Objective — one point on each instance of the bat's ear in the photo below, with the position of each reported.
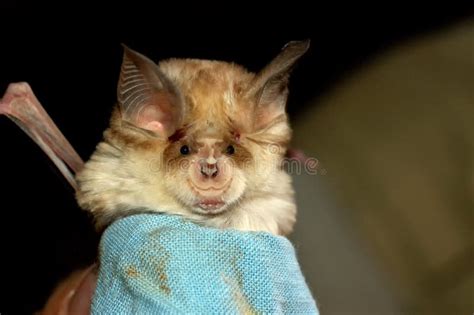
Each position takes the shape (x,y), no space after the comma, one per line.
(270,86)
(147,98)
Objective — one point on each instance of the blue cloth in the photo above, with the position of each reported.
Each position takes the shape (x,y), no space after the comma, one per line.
(153,264)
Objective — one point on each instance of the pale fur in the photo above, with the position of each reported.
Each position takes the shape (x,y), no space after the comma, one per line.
(124,176)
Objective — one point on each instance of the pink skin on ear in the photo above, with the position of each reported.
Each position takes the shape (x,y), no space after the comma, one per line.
(148,119)
(148,99)
(155,126)
(158,116)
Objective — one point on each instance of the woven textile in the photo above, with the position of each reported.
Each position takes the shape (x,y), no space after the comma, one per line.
(153,264)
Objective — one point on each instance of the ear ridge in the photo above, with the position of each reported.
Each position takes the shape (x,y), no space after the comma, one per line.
(147,98)
(134,90)
(282,64)
(269,88)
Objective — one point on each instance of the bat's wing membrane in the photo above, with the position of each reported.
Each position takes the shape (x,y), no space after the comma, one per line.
(21,106)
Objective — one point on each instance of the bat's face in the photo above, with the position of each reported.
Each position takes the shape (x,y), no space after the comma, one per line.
(207,169)
(215,157)
(203,139)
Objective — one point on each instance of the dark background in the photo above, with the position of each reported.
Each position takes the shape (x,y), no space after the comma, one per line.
(71,58)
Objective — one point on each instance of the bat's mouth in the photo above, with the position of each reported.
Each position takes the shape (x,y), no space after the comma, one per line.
(211,206)
(210,200)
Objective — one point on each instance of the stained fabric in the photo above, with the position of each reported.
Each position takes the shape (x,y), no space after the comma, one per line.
(164,264)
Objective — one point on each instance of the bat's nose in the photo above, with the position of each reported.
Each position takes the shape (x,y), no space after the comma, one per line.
(209,169)
(208,161)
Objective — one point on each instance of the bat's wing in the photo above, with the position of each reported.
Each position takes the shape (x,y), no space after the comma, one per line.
(20,105)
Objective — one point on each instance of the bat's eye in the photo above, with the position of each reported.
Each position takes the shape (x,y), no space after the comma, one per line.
(184,150)
(230,150)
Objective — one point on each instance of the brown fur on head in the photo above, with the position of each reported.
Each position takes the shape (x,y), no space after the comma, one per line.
(198,138)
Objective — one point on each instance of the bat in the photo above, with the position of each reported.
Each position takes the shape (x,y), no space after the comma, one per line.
(202,139)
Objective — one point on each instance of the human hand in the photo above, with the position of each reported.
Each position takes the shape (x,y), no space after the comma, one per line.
(73,295)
